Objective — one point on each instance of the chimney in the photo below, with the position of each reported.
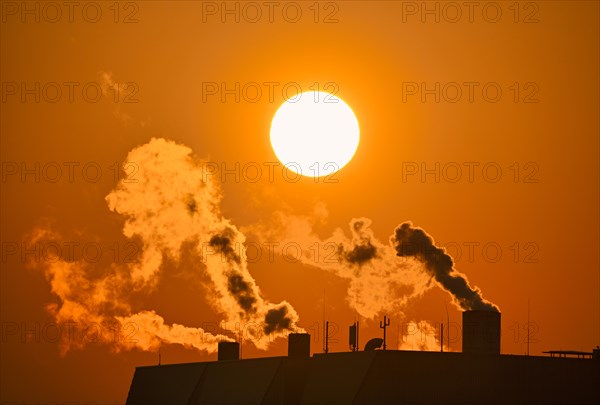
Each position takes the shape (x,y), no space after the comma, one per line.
(481,332)
(298,345)
(229,351)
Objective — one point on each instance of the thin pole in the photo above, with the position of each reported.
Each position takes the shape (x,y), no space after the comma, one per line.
(327,337)
(324,324)
(448,324)
(528,326)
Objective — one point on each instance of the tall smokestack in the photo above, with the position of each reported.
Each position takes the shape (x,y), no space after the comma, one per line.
(481,332)
(229,351)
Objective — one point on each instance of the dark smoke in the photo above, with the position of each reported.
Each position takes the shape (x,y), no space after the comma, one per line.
(363,250)
(191,205)
(222,243)
(276,320)
(415,242)
(360,253)
(242,292)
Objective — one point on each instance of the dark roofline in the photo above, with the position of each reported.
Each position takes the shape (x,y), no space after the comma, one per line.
(210,362)
(560,353)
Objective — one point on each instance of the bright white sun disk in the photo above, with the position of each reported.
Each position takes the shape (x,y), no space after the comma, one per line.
(314,134)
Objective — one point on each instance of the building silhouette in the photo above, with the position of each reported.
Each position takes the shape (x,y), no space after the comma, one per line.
(478,375)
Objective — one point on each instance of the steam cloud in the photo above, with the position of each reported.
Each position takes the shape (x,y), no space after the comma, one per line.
(418,336)
(168,206)
(377,279)
(382,277)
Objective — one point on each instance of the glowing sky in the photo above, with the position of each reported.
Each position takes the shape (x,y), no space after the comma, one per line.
(136,149)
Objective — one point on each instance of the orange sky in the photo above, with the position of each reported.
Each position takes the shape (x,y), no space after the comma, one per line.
(542,212)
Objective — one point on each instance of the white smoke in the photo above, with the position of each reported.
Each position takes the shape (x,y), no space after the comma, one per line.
(167,204)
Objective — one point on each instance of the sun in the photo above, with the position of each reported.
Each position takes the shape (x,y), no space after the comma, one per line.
(314,134)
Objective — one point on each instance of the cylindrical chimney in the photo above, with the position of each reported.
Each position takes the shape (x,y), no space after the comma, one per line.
(229,351)
(299,345)
(481,332)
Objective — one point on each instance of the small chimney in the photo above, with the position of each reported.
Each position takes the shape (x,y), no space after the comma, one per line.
(298,345)
(229,351)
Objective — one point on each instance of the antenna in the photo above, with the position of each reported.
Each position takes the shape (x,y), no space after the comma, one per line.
(325,326)
(384,325)
(528,326)
(241,337)
(442,337)
(326,337)
(159,346)
(448,324)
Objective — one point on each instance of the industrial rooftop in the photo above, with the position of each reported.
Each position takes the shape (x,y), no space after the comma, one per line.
(478,375)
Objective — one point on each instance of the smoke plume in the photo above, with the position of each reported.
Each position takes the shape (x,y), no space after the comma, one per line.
(381,277)
(167,205)
(171,207)
(377,279)
(415,242)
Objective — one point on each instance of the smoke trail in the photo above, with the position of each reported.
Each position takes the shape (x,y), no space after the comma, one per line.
(410,241)
(382,278)
(377,279)
(168,205)
(173,203)
(97,309)
(150,330)
(363,249)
